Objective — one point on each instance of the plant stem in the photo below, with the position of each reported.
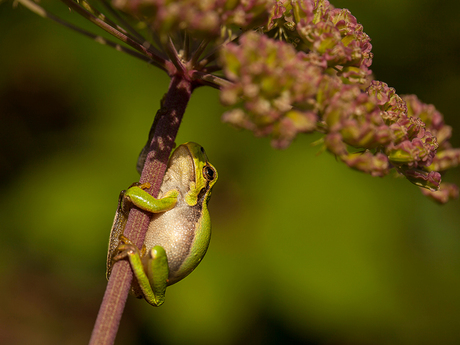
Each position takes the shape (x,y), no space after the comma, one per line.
(32,6)
(167,122)
(157,60)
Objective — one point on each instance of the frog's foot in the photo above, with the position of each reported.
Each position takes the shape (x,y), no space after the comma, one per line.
(125,249)
(152,277)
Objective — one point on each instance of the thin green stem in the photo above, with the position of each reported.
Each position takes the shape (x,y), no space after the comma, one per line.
(210,80)
(211,57)
(198,51)
(32,6)
(186,46)
(128,28)
(123,22)
(157,60)
(213,54)
(173,56)
(90,8)
(212,69)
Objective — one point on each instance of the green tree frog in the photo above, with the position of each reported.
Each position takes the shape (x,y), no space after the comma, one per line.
(180,228)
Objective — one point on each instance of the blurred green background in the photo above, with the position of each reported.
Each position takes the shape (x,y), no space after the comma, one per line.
(304,250)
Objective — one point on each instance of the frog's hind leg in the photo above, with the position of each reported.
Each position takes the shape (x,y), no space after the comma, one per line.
(150,269)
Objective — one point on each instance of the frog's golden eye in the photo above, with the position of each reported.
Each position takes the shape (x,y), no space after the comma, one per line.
(209,173)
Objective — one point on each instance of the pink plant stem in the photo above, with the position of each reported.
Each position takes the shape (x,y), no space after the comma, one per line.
(167,122)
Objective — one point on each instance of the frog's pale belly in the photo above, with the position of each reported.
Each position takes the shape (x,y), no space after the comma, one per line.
(175,231)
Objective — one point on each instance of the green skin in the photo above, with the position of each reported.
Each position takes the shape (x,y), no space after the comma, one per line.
(179,230)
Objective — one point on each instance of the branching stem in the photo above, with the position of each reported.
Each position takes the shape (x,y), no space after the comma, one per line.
(159,61)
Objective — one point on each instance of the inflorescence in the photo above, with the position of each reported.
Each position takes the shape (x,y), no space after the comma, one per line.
(288,67)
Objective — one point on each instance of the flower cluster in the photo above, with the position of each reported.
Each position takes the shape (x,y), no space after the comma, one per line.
(446,156)
(309,71)
(316,26)
(413,146)
(197,16)
(287,67)
(269,77)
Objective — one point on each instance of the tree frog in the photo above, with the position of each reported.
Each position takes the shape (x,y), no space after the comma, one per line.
(179,230)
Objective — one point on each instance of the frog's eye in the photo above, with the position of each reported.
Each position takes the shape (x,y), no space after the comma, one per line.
(209,173)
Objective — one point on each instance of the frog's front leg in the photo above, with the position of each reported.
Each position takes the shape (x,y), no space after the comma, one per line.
(150,269)
(139,197)
(135,195)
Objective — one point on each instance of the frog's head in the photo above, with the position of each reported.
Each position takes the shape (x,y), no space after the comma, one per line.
(190,172)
